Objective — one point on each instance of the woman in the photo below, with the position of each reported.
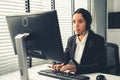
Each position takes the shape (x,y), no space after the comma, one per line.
(86,49)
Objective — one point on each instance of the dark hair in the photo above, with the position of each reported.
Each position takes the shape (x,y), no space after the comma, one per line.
(86,15)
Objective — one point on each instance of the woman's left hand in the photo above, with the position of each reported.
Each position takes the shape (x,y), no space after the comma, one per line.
(69,67)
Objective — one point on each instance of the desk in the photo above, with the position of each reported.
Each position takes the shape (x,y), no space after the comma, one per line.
(33,75)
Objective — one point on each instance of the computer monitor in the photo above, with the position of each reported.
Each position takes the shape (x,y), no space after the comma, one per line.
(44,40)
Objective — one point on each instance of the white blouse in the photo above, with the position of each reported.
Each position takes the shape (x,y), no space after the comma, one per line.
(79,48)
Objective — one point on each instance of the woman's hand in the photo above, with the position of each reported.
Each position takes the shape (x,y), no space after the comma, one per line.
(57,67)
(69,67)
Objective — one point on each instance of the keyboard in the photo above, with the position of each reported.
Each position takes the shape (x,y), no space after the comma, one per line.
(62,75)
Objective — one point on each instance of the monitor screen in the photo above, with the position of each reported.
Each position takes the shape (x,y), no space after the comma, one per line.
(44,40)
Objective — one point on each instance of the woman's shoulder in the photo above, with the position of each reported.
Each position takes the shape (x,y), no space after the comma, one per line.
(72,37)
(96,36)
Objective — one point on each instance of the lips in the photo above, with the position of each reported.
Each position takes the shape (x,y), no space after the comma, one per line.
(77,30)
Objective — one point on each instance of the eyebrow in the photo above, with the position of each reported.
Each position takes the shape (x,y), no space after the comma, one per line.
(79,19)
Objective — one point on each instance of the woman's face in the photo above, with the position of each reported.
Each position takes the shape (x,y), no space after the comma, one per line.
(79,23)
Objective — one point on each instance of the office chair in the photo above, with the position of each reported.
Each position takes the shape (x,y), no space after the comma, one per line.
(112,56)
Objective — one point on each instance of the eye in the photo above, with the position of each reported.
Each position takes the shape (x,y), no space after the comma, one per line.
(73,21)
(81,21)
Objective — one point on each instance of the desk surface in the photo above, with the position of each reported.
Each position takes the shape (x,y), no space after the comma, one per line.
(33,75)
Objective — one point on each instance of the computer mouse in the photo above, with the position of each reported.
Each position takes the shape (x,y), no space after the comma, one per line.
(100,77)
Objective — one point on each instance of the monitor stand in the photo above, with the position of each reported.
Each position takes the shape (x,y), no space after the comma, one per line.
(22,57)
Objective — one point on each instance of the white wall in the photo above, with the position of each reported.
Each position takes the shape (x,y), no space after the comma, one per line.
(116,5)
(98,11)
(113,34)
(110,5)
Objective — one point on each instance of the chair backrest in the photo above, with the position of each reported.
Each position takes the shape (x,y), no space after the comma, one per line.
(112,56)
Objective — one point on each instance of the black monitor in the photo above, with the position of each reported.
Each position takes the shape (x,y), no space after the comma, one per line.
(44,40)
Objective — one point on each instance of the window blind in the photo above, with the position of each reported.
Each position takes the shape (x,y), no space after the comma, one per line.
(81,4)
(40,5)
(63,8)
(8,59)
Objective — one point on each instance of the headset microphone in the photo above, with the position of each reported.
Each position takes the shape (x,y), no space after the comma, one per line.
(83,33)
(78,35)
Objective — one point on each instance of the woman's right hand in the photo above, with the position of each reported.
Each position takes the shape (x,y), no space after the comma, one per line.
(57,67)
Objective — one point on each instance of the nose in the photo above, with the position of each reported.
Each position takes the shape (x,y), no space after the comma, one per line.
(76,25)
